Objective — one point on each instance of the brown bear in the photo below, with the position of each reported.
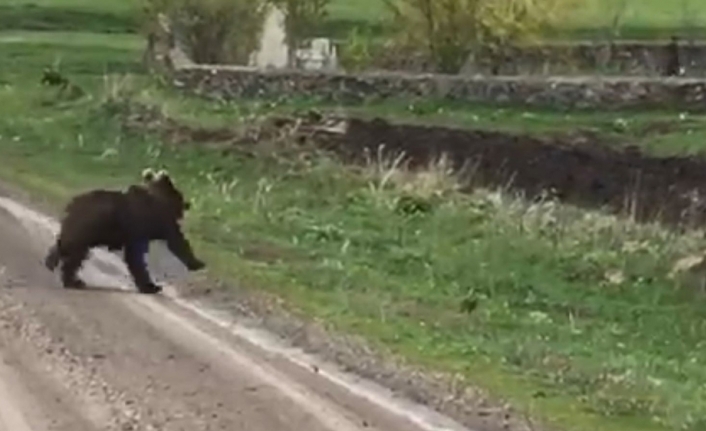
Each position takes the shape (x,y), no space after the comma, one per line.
(123,220)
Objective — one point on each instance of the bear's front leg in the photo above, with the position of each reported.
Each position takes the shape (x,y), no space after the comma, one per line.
(179,246)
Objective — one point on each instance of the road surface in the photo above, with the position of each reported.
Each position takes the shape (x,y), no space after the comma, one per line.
(111,359)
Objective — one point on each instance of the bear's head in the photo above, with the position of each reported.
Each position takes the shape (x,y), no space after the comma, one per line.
(161,186)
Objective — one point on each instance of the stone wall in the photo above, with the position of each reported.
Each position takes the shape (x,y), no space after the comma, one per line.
(556,92)
(607,93)
(634,58)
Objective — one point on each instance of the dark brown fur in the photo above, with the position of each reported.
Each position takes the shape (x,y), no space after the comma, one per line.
(118,220)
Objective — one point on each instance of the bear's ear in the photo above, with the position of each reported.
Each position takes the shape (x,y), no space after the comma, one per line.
(162,175)
(148,175)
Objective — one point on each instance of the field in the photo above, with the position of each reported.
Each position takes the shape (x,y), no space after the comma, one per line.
(591,19)
(569,314)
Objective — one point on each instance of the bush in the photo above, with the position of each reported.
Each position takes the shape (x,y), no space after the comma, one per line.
(212,31)
(451,30)
(357,51)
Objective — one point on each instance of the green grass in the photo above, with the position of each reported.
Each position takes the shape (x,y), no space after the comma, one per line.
(643,19)
(73,38)
(69,15)
(576,321)
(590,19)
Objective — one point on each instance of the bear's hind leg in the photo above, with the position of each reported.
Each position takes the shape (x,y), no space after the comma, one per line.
(71,264)
(135,260)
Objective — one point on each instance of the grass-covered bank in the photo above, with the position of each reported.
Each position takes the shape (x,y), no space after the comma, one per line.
(572,316)
(659,133)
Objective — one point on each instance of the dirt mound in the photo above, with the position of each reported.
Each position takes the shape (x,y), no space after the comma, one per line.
(583,171)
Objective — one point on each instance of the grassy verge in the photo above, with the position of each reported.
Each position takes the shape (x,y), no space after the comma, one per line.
(571,316)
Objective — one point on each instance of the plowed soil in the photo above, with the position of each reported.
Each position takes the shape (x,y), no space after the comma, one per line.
(588,174)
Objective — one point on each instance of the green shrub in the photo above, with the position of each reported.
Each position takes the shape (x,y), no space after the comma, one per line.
(451,30)
(357,51)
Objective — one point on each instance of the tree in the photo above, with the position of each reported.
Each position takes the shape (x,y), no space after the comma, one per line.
(214,31)
(450,30)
